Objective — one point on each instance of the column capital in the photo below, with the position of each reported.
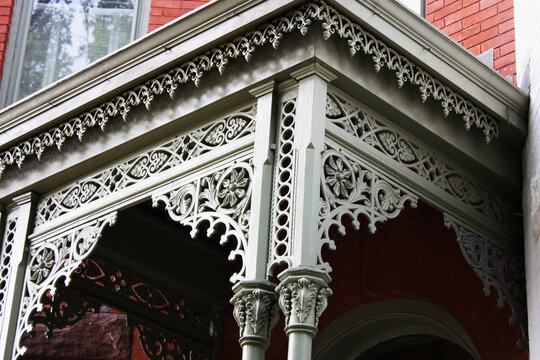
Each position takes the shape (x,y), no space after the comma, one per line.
(255,311)
(315,68)
(303,294)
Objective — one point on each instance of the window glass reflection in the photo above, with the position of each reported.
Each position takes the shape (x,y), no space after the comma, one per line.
(66,35)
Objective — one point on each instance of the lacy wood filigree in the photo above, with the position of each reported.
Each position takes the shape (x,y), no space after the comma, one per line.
(351,189)
(496,268)
(5,264)
(283,183)
(332,21)
(52,261)
(223,197)
(414,156)
(168,155)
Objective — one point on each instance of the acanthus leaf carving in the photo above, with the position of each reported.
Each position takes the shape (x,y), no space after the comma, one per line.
(352,189)
(255,311)
(52,261)
(303,297)
(223,197)
(498,269)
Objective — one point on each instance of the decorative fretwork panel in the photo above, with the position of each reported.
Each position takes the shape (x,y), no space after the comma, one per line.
(221,199)
(413,155)
(51,261)
(5,264)
(351,189)
(168,155)
(332,21)
(283,185)
(498,269)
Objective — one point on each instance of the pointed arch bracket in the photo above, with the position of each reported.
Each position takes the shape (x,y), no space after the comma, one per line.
(222,198)
(498,269)
(52,261)
(351,189)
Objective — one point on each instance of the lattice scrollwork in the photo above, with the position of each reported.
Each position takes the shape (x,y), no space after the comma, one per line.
(159,344)
(168,155)
(333,22)
(414,156)
(283,183)
(498,269)
(52,261)
(5,264)
(222,198)
(351,189)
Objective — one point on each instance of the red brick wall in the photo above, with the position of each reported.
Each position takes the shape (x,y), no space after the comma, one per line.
(6,11)
(163,11)
(413,256)
(479,25)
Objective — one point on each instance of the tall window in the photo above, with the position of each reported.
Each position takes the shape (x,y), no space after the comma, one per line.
(62,36)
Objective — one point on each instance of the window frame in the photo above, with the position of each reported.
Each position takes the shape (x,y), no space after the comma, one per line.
(18,35)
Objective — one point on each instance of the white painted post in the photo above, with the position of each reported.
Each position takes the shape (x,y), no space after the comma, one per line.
(255,300)
(303,289)
(23,211)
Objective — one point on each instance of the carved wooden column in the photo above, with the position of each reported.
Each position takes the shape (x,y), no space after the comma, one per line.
(18,224)
(303,288)
(255,300)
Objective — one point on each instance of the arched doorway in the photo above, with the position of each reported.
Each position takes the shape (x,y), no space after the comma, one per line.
(417,347)
(396,328)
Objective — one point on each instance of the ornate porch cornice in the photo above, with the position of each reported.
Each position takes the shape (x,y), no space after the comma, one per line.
(332,22)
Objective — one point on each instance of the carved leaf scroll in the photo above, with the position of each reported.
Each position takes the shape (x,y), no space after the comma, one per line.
(498,269)
(351,189)
(170,154)
(222,198)
(410,153)
(52,261)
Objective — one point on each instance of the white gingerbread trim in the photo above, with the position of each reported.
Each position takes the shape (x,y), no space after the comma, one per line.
(281,226)
(170,154)
(350,188)
(51,261)
(221,197)
(332,21)
(497,268)
(414,155)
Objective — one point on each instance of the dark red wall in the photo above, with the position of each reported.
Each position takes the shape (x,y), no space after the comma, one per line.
(415,257)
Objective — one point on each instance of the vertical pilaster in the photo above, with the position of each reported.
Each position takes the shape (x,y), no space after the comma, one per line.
(255,300)
(261,198)
(303,288)
(18,225)
(308,145)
